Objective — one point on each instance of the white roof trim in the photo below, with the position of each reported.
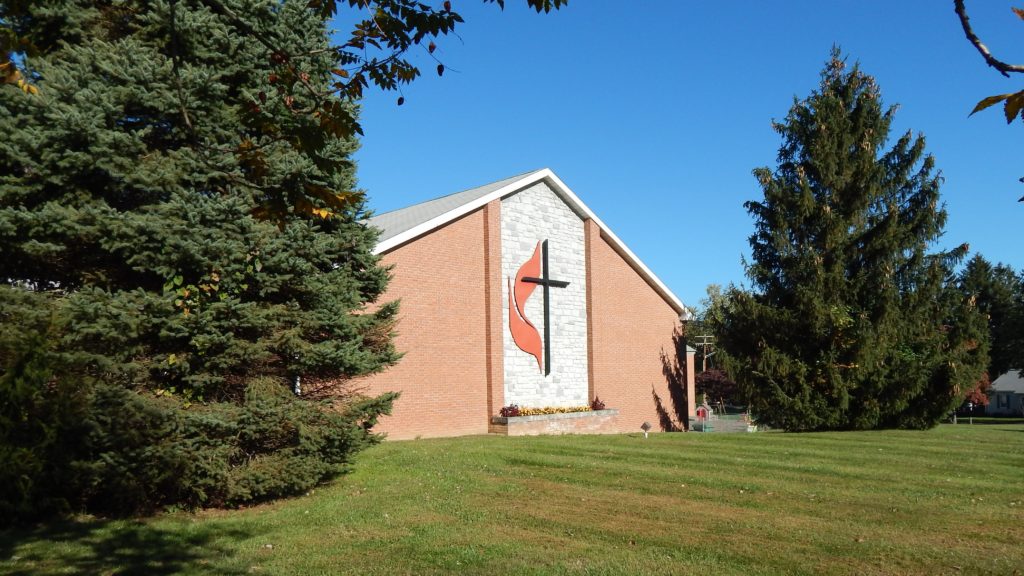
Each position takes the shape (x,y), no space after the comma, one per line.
(568,196)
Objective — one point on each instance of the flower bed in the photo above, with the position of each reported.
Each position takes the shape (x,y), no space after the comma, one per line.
(513,410)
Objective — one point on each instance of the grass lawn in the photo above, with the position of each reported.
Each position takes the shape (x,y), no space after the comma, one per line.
(946,501)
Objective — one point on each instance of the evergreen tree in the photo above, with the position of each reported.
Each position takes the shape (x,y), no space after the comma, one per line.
(134,190)
(852,323)
(374,51)
(998,293)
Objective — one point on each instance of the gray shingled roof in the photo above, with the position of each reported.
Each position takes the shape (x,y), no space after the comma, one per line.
(397,221)
(1009,382)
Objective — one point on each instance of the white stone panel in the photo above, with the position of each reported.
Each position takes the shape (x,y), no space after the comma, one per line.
(528,217)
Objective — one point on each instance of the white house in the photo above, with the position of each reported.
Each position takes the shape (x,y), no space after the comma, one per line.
(1007,395)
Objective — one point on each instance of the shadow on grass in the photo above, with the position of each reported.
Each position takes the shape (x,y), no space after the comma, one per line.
(119,547)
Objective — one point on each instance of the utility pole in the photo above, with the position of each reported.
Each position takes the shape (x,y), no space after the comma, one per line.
(705,341)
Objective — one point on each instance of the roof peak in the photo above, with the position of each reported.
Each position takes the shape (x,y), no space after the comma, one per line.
(406,224)
(448,196)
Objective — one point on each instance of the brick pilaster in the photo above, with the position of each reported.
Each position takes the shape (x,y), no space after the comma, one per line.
(691,394)
(589,230)
(492,304)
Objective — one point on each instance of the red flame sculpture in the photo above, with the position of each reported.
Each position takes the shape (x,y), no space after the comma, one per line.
(524,333)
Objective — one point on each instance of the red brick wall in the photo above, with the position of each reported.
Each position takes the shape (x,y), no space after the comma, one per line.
(447,282)
(630,329)
(495,325)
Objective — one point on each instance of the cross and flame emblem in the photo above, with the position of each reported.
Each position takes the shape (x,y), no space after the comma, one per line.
(533,273)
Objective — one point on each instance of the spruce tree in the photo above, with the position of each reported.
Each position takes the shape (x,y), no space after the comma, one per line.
(851,322)
(998,292)
(135,190)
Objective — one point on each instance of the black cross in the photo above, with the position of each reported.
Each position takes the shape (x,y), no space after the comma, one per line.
(546,283)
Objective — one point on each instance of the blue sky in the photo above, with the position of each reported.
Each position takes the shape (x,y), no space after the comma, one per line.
(655,113)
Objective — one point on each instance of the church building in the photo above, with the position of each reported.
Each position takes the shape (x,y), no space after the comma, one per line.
(517,293)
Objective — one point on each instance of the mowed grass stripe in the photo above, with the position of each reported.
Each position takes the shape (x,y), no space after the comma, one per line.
(945,501)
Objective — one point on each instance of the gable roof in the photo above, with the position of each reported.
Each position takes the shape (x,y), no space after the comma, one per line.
(400,226)
(396,222)
(1009,382)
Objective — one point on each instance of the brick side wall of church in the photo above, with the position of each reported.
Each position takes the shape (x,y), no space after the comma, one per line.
(443,330)
(631,329)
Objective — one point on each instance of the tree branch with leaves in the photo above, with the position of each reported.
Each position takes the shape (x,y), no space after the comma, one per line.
(1013,102)
(376,52)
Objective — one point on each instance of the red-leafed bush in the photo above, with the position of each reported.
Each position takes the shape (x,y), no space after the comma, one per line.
(979,394)
(716,386)
(509,411)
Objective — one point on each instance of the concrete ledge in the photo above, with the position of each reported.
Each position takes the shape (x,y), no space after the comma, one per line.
(591,422)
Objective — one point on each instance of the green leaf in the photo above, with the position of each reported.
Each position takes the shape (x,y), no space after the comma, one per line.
(178,280)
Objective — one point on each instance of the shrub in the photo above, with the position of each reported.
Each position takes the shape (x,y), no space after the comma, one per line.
(109,450)
(41,427)
(285,446)
(596,403)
